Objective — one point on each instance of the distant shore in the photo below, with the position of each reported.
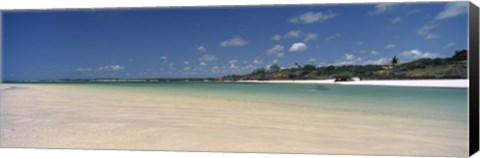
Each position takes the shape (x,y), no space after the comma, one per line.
(441,83)
(445,83)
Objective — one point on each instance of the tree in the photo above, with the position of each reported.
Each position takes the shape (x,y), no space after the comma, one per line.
(259,71)
(297,65)
(460,55)
(309,68)
(330,69)
(274,68)
(394,60)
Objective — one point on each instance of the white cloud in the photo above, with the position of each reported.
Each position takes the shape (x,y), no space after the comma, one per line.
(202,63)
(351,59)
(312,17)
(248,67)
(268,66)
(275,61)
(186,62)
(451,44)
(431,36)
(417,54)
(379,61)
(276,37)
(390,46)
(359,43)
(413,11)
(310,37)
(208,58)
(233,61)
(381,8)
(84,69)
(374,52)
(332,37)
(280,54)
(201,49)
(395,20)
(312,60)
(233,66)
(292,34)
(187,68)
(111,68)
(452,9)
(297,47)
(348,59)
(275,50)
(234,42)
(164,59)
(257,61)
(349,56)
(425,31)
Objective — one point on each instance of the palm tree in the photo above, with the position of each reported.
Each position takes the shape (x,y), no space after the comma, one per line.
(297,65)
(394,60)
(274,68)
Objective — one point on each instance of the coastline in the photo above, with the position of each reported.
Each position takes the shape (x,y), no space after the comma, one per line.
(329,81)
(435,83)
(439,83)
(58,115)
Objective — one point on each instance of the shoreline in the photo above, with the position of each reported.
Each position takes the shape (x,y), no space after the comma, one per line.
(435,83)
(154,119)
(439,83)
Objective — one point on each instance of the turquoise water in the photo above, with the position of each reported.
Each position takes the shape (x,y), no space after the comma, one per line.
(431,103)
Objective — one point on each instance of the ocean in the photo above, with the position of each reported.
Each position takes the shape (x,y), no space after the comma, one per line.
(433,103)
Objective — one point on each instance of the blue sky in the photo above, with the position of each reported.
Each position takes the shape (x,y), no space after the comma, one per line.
(212,42)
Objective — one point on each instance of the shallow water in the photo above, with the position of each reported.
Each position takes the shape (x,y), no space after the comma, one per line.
(245,117)
(434,103)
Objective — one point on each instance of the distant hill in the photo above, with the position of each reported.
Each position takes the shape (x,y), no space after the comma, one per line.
(454,67)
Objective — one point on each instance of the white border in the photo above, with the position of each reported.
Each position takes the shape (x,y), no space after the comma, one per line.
(73,153)
(8,5)
(56,4)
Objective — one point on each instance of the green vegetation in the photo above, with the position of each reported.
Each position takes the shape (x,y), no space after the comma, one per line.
(425,68)
(394,61)
(454,67)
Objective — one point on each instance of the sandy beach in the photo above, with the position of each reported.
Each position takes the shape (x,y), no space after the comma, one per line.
(447,83)
(331,81)
(65,116)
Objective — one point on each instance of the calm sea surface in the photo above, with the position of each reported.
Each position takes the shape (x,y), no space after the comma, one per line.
(431,103)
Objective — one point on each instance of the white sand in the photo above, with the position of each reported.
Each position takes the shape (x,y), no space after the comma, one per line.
(458,83)
(290,81)
(66,116)
(447,83)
